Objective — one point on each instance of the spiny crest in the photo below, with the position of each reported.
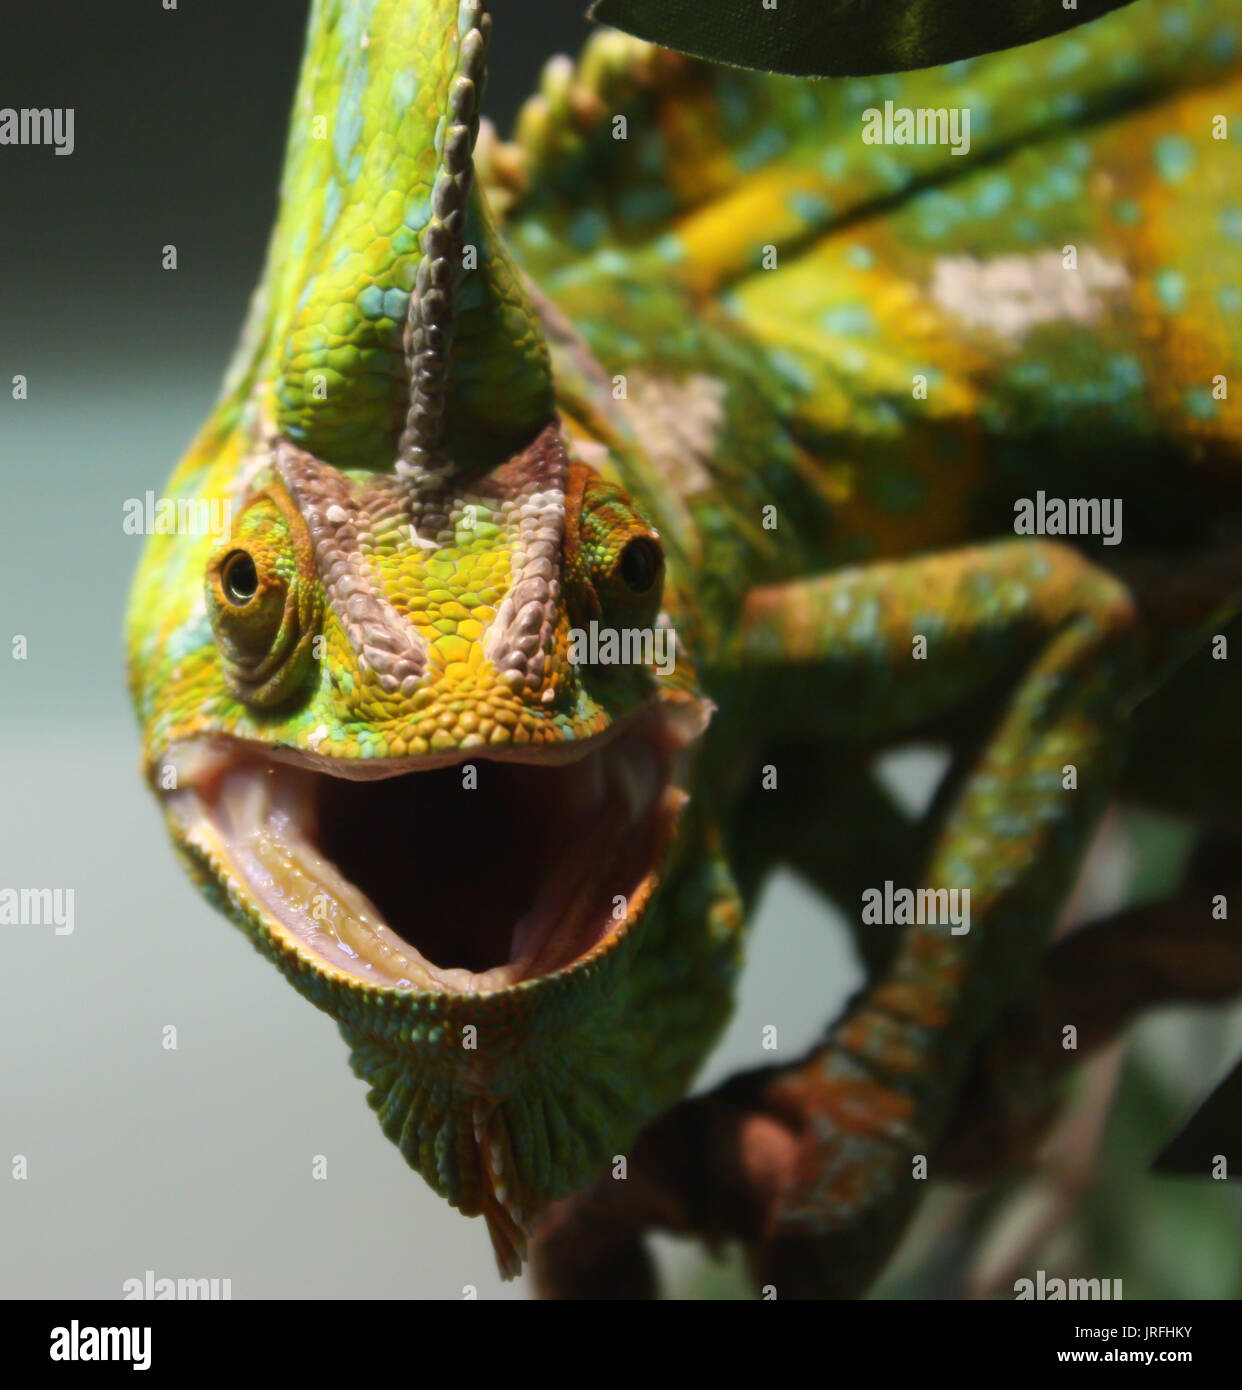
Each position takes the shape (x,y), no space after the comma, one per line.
(400,327)
(429,320)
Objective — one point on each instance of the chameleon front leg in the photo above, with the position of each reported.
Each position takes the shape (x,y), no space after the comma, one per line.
(880,651)
(877,652)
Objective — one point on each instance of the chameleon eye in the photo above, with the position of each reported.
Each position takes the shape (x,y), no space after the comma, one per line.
(264,602)
(614,562)
(640,565)
(238,578)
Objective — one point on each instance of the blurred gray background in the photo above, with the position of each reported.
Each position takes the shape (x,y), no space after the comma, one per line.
(198,1162)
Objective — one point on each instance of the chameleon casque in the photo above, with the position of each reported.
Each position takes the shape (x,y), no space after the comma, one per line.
(656,363)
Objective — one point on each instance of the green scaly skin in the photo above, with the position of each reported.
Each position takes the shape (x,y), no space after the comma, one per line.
(702,339)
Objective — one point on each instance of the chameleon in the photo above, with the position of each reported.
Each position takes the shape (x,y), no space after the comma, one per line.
(688,361)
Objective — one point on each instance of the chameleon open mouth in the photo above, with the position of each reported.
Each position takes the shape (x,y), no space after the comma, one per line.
(467,877)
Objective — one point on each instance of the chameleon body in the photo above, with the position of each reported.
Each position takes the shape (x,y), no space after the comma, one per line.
(690,354)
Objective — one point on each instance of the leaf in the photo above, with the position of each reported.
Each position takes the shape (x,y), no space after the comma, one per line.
(1215,1128)
(839,38)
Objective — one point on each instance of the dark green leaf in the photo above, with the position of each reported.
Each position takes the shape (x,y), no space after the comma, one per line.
(837,38)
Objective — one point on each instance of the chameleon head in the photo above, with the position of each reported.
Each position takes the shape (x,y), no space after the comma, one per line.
(385,735)
(416,720)
(393,750)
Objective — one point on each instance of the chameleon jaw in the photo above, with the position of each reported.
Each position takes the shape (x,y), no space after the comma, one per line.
(417,881)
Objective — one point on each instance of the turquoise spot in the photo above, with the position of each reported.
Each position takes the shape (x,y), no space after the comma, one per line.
(1231,222)
(535,234)
(1170,288)
(1200,405)
(1229,297)
(1068,58)
(853,360)
(418,214)
(612,262)
(805,107)
(847,320)
(938,212)
(347,135)
(587,229)
(1127,212)
(1078,154)
(396,302)
(833,162)
(860,257)
(791,370)
(1126,372)
(769,144)
(669,248)
(1127,67)
(1174,157)
(1030,373)
(892,172)
(331,206)
(980,111)
(859,92)
(371,302)
(1068,105)
(194,634)
(733,103)
(810,208)
(993,195)
(1063,182)
(402,91)
(1223,45)
(1175,24)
